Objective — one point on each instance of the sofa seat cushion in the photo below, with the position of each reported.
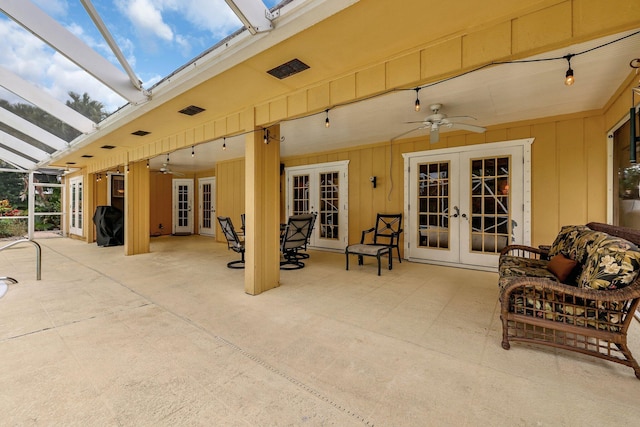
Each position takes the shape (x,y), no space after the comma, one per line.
(511,265)
(614,263)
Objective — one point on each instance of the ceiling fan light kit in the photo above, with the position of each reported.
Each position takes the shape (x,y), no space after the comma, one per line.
(436,120)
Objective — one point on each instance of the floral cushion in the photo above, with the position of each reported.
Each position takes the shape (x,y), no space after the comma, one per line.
(511,265)
(613,264)
(565,240)
(567,309)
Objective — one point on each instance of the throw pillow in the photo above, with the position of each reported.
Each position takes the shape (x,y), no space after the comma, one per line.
(561,267)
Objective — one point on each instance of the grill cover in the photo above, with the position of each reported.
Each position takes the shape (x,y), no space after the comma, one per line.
(109,223)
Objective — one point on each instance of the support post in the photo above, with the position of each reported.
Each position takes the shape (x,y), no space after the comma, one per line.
(136,209)
(262,205)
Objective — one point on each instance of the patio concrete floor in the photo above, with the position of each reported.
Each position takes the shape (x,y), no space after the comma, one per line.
(170,338)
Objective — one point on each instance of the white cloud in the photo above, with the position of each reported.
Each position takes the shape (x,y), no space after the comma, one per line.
(214,16)
(32,60)
(146,17)
(22,53)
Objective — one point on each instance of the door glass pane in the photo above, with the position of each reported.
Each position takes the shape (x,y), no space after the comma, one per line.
(183,206)
(79,205)
(491,225)
(73,204)
(300,194)
(329,203)
(206,205)
(433,205)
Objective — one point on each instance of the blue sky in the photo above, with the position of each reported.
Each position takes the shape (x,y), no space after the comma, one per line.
(156,37)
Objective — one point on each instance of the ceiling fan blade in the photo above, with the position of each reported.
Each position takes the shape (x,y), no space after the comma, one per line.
(464,126)
(434,136)
(407,132)
(461,118)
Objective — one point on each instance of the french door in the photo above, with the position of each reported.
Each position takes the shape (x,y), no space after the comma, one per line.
(207,206)
(76,217)
(182,206)
(322,189)
(465,206)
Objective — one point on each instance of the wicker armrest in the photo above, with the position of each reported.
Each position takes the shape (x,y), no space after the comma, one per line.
(524,251)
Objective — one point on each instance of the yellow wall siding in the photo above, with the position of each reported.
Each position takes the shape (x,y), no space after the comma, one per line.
(486,45)
(545,202)
(542,28)
(596,16)
(596,183)
(568,173)
(160,193)
(572,174)
(230,183)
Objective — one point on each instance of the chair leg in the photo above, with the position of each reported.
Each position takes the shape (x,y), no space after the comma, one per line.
(378,257)
(390,259)
(399,259)
(347,256)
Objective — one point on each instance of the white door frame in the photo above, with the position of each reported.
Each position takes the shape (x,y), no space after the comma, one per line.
(187,225)
(314,171)
(202,229)
(76,196)
(472,150)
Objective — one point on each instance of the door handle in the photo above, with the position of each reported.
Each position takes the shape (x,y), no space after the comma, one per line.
(455,215)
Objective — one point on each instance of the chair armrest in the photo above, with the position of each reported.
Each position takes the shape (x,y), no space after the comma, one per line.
(524,252)
(364,234)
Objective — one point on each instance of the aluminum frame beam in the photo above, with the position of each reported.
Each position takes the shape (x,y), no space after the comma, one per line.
(23,147)
(16,160)
(99,23)
(43,100)
(28,128)
(32,18)
(253,13)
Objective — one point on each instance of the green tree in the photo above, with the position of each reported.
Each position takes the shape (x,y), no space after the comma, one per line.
(90,108)
(12,187)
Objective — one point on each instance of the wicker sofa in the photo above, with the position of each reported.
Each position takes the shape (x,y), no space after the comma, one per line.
(580,293)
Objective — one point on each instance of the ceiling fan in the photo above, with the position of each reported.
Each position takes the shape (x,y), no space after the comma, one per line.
(437,120)
(165,170)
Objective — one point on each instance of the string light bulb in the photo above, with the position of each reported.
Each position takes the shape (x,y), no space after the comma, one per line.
(326,121)
(266,136)
(417,104)
(224,144)
(193,151)
(569,79)
(147,163)
(127,168)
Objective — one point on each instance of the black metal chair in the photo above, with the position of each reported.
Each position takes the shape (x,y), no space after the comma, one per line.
(385,236)
(294,238)
(233,241)
(314,216)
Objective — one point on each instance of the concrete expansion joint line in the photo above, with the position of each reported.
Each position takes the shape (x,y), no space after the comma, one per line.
(294,381)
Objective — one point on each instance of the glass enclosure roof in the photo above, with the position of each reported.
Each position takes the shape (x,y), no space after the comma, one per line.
(154,39)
